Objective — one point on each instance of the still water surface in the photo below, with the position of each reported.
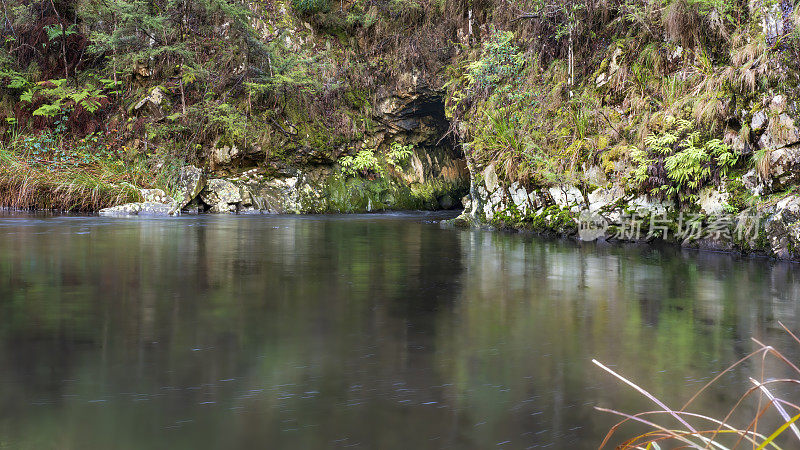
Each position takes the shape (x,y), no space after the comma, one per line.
(373,331)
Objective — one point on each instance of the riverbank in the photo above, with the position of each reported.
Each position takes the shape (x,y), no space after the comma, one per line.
(613,121)
(763,225)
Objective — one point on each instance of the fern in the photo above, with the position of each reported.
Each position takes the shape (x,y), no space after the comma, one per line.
(398,154)
(364,163)
(689,165)
(48,109)
(688,168)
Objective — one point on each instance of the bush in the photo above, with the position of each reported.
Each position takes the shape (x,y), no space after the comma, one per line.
(311,6)
(500,60)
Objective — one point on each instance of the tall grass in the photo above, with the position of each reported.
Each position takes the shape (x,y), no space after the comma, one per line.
(681,428)
(35,176)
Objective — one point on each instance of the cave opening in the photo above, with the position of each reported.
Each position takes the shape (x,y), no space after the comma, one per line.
(422,121)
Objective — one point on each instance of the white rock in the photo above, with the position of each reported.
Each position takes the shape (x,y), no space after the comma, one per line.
(490,178)
(600,198)
(713,201)
(566,196)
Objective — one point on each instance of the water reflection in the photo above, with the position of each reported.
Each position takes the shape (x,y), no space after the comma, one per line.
(380,331)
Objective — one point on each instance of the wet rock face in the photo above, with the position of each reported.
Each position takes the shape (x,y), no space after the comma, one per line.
(782,228)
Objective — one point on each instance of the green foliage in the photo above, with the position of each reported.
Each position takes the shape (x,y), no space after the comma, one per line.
(690,160)
(399,154)
(688,168)
(231,123)
(291,73)
(500,59)
(311,6)
(60,97)
(59,32)
(365,163)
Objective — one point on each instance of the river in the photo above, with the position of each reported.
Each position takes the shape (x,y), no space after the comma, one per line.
(370,331)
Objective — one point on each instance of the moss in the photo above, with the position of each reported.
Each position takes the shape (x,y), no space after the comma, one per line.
(740,197)
(355,194)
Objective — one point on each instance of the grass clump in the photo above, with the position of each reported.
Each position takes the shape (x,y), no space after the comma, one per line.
(42,172)
(681,428)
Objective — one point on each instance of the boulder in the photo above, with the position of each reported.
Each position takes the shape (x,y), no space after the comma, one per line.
(759,121)
(567,197)
(781,132)
(446,202)
(466,202)
(752,182)
(138,209)
(647,206)
(152,103)
(191,181)
(493,204)
(784,168)
(222,196)
(224,154)
(519,195)
(156,196)
(490,178)
(303,193)
(603,197)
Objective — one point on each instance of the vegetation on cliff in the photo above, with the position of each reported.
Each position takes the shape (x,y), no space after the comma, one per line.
(659,94)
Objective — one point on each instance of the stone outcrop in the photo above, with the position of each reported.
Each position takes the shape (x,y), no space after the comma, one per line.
(221,196)
(777,134)
(431,178)
(191,182)
(782,228)
(781,171)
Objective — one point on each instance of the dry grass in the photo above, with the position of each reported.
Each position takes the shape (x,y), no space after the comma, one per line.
(682,23)
(28,184)
(681,428)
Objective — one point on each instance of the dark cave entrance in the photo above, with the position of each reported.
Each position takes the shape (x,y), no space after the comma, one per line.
(420,120)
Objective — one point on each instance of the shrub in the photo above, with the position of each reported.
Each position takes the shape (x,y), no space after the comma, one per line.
(500,60)
(311,6)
